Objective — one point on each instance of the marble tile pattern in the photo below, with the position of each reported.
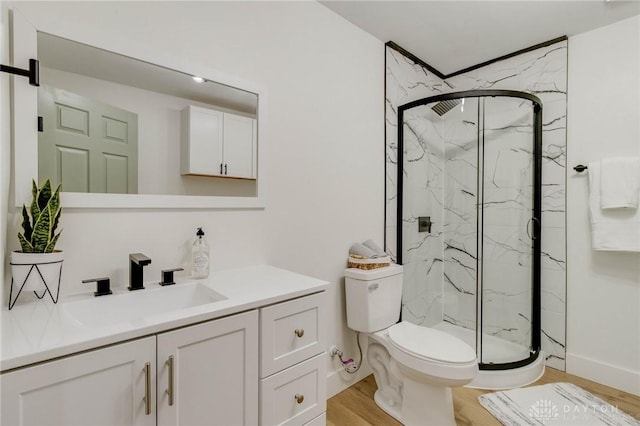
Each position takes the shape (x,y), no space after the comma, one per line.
(422,294)
(423,189)
(440,268)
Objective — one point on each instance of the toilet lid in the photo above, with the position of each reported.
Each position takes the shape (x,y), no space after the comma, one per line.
(429,343)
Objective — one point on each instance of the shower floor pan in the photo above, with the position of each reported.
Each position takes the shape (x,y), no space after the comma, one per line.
(498,351)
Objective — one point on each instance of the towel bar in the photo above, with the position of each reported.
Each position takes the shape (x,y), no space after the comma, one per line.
(580,168)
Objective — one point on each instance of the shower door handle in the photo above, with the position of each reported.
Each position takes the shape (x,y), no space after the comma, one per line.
(531,220)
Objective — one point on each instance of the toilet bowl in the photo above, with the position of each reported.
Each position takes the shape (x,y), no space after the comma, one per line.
(414,366)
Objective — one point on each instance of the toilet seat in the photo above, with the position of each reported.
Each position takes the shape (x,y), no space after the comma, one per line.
(455,368)
(430,344)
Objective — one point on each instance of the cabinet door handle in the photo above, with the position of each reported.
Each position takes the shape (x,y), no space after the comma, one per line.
(220,168)
(170,388)
(147,388)
(225,169)
(299,398)
(299,332)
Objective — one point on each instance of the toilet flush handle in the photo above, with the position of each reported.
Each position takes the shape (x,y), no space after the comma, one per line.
(373,286)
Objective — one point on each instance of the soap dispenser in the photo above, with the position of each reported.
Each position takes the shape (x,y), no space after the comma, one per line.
(200,256)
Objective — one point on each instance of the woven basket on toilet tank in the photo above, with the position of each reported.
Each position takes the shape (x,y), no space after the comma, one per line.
(360,262)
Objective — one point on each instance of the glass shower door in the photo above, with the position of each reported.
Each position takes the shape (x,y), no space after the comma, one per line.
(506,226)
(470,168)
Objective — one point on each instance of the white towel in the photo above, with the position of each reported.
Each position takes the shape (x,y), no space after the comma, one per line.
(360,250)
(611,229)
(370,244)
(619,182)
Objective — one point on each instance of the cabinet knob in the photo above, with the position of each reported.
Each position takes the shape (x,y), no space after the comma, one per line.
(299,398)
(299,332)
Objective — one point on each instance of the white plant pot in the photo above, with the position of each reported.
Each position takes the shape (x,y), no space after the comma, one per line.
(32,268)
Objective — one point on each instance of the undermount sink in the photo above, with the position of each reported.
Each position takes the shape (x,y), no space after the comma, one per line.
(138,305)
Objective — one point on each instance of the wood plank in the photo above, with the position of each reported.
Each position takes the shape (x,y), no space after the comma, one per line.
(355,406)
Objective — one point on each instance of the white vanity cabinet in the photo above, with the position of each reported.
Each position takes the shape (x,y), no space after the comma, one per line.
(212,381)
(108,386)
(293,362)
(254,357)
(207,373)
(216,143)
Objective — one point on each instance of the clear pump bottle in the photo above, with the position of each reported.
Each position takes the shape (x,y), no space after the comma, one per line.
(200,256)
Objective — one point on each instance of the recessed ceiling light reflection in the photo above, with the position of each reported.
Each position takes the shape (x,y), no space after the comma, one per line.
(198,79)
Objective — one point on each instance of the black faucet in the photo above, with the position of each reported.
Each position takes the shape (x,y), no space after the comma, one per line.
(136,262)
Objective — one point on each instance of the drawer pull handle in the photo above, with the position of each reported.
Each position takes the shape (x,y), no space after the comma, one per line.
(147,388)
(299,332)
(299,398)
(170,390)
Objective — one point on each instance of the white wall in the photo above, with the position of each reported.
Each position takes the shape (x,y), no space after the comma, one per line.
(603,324)
(5,135)
(325,155)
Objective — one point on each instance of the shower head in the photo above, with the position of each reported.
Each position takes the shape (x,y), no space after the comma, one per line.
(443,107)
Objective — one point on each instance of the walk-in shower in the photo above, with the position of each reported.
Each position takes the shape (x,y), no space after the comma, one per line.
(469,202)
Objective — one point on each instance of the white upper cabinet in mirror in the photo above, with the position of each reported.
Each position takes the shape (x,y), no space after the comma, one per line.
(119,127)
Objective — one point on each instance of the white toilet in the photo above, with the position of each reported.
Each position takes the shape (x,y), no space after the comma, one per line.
(414,366)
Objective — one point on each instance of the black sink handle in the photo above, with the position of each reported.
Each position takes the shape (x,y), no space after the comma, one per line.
(103,286)
(166,276)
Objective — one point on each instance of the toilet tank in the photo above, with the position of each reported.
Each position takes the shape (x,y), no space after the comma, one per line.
(374,297)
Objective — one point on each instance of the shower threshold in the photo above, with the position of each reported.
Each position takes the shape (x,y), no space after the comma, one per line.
(499,351)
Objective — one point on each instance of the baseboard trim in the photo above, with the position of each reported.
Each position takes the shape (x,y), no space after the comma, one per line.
(606,374)
(339,380)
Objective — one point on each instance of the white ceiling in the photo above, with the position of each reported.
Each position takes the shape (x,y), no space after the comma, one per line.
(453,35)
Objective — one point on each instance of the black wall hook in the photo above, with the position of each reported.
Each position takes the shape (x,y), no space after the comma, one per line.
(33,72)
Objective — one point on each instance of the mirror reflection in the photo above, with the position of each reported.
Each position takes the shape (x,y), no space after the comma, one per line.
(114,124)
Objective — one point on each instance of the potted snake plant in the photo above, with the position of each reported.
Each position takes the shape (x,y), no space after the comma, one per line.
(38,266)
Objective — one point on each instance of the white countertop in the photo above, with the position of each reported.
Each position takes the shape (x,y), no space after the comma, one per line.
(38,331)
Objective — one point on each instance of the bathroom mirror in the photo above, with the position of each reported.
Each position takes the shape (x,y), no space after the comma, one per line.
(138,98)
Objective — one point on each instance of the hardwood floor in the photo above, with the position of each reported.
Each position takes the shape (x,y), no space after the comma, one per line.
(355,405)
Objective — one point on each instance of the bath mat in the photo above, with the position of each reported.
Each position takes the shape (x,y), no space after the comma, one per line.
(554,404)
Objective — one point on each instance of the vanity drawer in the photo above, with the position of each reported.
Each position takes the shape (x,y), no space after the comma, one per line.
(296,395)
(321,420)
(291,332)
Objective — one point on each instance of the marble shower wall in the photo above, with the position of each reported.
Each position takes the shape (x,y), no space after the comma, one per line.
(542,72)
(430,293)
(422,293)
(423,189)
